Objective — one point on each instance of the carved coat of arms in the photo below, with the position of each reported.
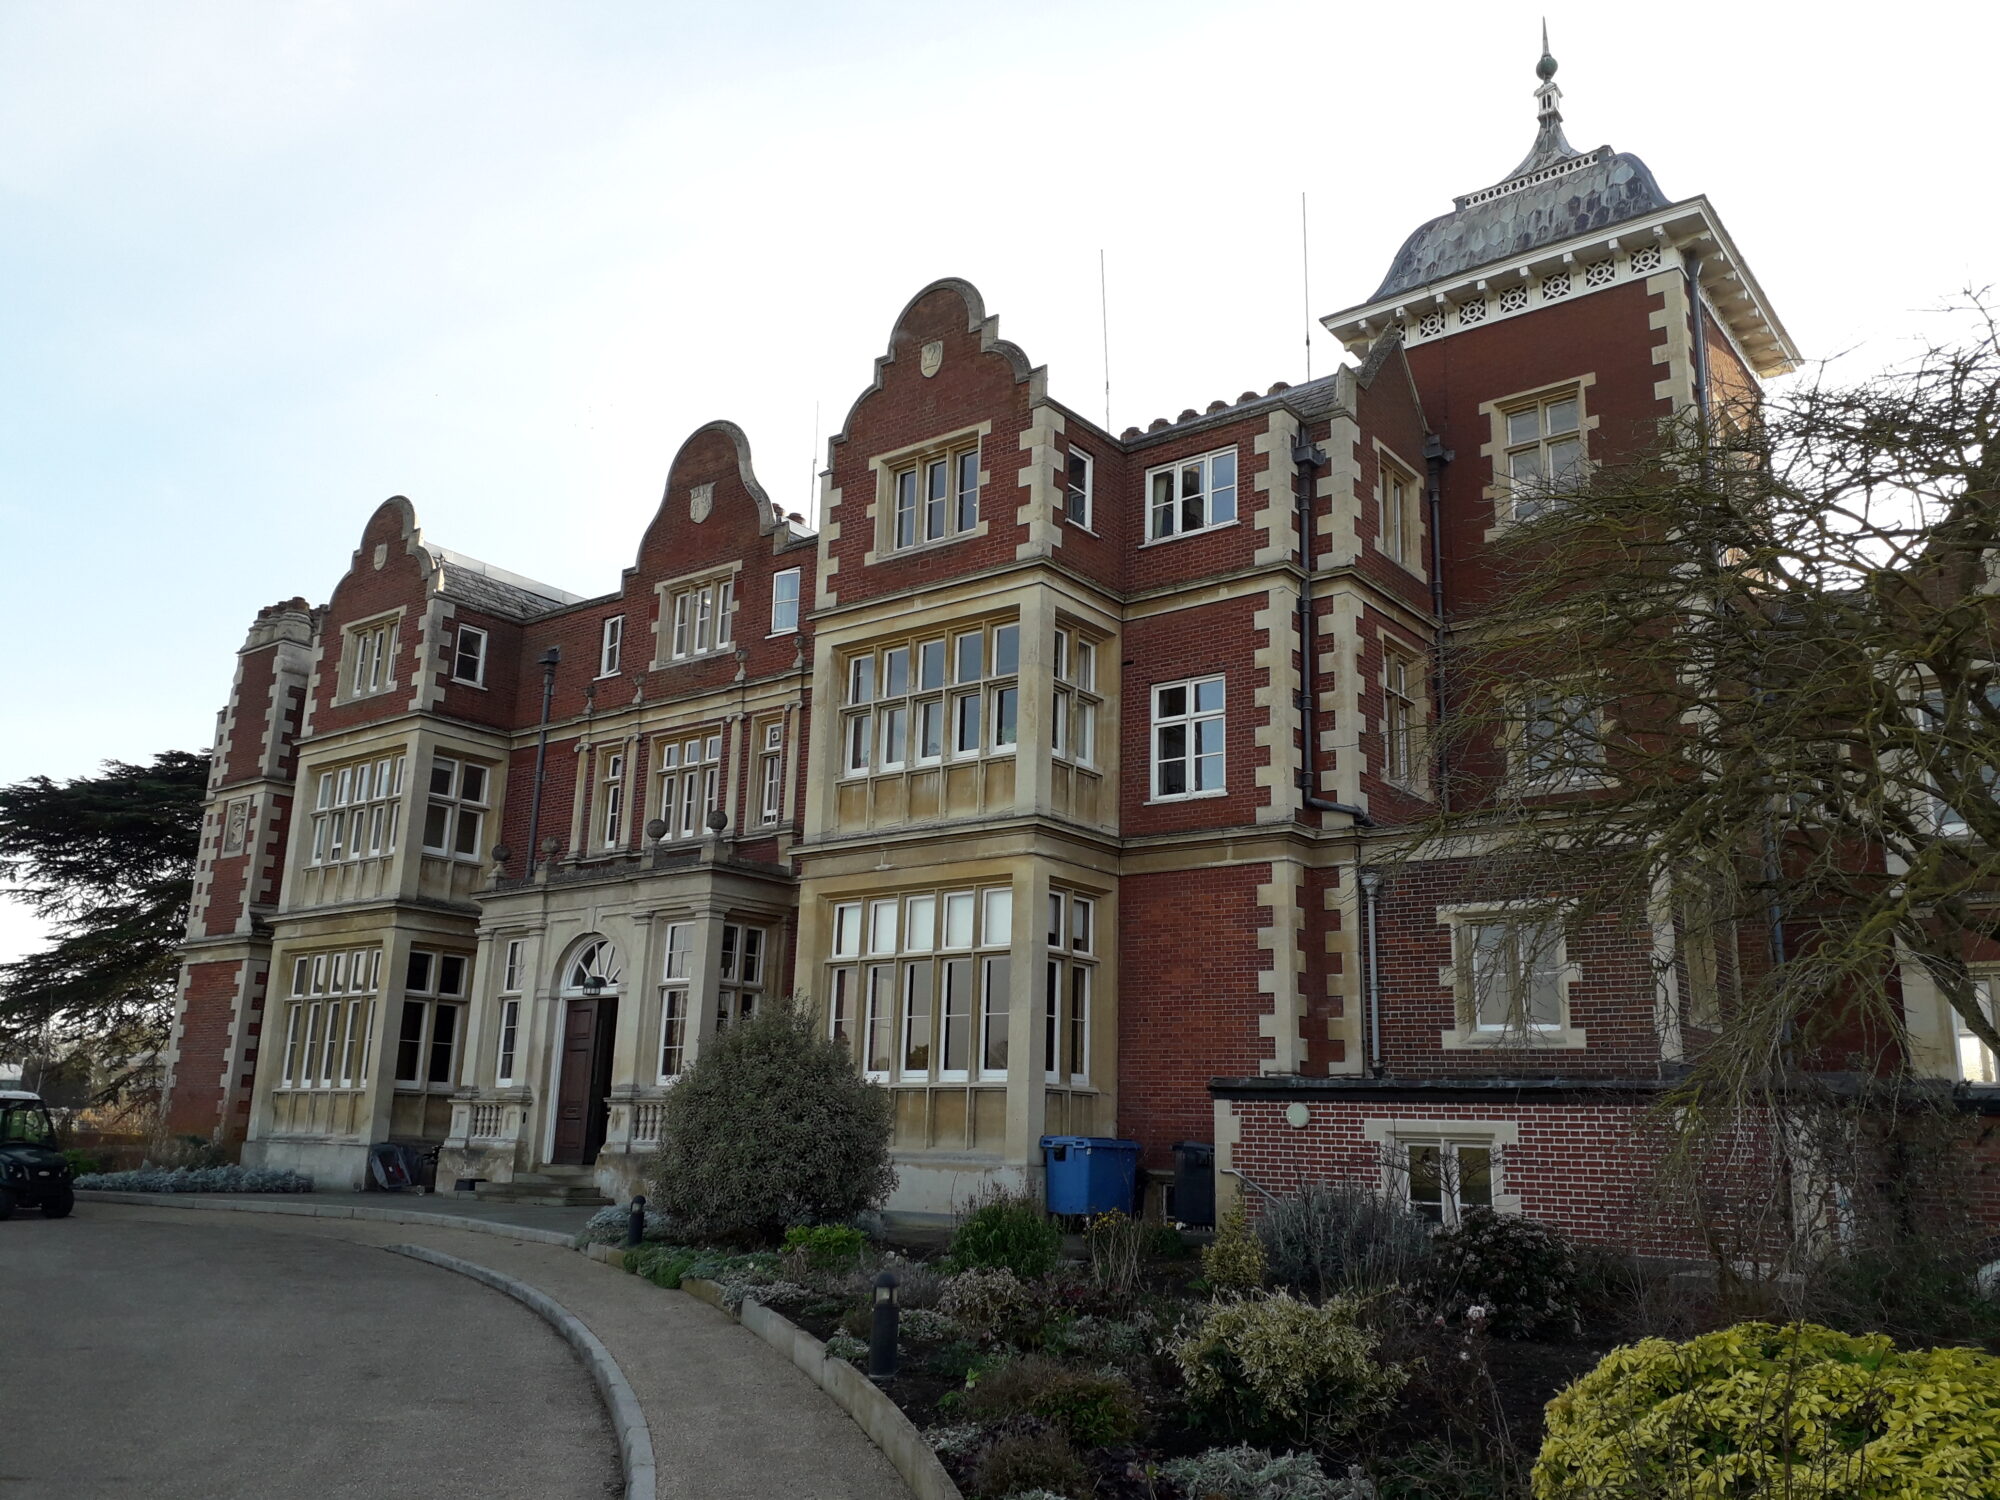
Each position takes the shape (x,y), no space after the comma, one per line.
(701,500)
(932,358)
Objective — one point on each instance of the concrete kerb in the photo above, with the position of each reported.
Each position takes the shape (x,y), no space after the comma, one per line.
(635,1438)
(887,1426)
(329,1211)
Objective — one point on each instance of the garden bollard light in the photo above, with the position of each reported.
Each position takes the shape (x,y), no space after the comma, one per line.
(635,1229)
(882,1342)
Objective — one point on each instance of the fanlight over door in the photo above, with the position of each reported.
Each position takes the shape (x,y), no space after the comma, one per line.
(596,960)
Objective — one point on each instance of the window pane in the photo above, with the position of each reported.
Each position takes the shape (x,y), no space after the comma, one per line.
(917,1018)
(1523,426)
(957,1019)
(1222,489)
(1052,999)
(409,1041)
(442,771)
(1565,461)
(1079,1022)
(958,920)
(1163,503)
(895,735)
(882,927)
(1208,696)
(896,672)
(881,1018)
(930,729)
(467,841)
(419,974)
(1427,1182)
(1055,933)
(1475,1177)
(1170,703)
(998,983)
(1082,913)
(920,924)
(1006,716)
(930,664)
(437,825)
(1006,650)
(847,930)
(861,680)
(1193,512)
(971,652)
(966,736)
(906,507)
(451,974)
(968,491)
(1562,416)
(996,924)
(444,1037)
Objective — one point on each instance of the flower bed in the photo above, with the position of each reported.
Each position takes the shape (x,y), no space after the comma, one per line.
(225,1179)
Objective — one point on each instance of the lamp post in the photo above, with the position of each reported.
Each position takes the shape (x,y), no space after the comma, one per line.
(635,1228)
(882,1336)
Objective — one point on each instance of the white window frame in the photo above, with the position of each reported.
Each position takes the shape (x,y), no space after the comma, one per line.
(357,809)
(916,517)
(784,606)
(1079,478)
(1395,505)
(1575,726)
(950,690)
(676,1002)
(1190,721)
(1529,465)
(611,801)
(435,992)
(703,619)
(461,809)
(1175,506)
(1399,719)
(506,1057)
(365,666)
(611,646)
(771,776)
(1470,1029)
(460,651)
(686,782)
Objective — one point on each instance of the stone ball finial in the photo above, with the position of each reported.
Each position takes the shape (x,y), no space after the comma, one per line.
(1546,68)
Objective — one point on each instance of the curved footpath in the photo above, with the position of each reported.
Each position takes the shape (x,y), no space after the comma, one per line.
(728,1416)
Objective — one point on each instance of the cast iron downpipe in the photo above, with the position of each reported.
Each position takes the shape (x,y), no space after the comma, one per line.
(1307,457)
(1371,883)
(1436,456)
(549,659)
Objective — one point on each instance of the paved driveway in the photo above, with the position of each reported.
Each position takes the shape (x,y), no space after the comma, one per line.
(190,1355)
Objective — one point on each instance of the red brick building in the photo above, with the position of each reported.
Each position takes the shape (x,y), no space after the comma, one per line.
(1056,767)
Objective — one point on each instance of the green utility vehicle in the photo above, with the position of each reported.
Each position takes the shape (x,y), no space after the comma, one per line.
(33,1173)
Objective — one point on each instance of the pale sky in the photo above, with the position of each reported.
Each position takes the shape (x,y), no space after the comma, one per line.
(265,264)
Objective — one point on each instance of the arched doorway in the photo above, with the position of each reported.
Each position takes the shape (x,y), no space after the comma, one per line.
(590,979)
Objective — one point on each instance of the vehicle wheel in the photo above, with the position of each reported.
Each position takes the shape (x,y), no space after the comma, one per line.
(59,1202)
(6,1203)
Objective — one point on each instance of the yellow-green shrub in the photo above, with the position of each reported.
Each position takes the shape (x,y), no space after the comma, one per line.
(1235,1261)
(1281,1368)
(1801,1411)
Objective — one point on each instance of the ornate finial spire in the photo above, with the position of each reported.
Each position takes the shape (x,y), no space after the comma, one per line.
(1549,95)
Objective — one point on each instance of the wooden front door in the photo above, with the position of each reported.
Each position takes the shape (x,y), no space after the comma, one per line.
(582,1107)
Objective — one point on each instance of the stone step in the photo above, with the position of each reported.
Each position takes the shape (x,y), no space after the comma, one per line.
(569,1191)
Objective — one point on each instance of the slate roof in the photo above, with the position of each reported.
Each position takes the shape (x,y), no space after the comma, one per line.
(505,594)
(1555,194)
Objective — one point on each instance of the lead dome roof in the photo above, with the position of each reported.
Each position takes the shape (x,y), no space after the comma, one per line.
(1555,194)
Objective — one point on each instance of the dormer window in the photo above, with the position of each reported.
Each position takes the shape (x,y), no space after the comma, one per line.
(368,651)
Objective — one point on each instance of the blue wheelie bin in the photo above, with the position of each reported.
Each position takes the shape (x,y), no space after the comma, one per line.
(1090,1174)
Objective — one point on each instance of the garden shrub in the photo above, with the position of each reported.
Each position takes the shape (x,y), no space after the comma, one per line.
(1092,1409)
(1235,1262)
(1521,1272)
(1116,1242)
(1101,1340)
(928,1324)
(1246,1473)
(987,1304)
(1030,1461)
(225,1179)
(846,1346)
(771,1126)
(1335,1237)
(1284,1369)
(826,1247)
(609,1226)
(1010,1230)
(1165,1242)
(82,1163)
(918,1283)
(1799,1411)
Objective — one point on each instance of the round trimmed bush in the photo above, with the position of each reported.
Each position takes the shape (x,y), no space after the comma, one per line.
(1523,1274)
(1007,1230)
(1284,1369)
(1799,1411)
(771,1127)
